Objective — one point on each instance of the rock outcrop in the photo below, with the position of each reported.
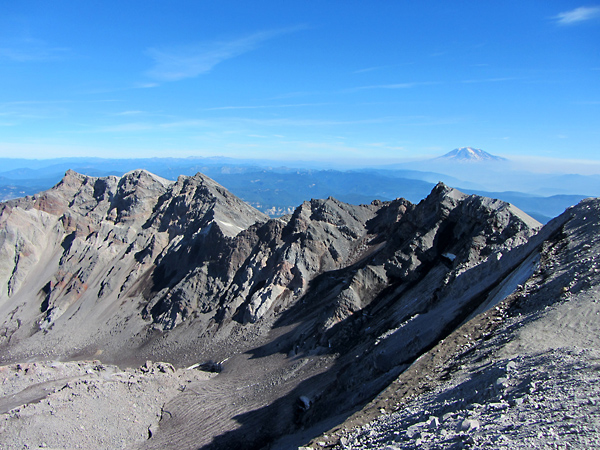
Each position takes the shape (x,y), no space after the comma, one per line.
(307,316)
(91,247)
(521,374)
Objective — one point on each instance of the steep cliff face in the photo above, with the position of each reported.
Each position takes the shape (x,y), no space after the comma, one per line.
(87,247)
(136,268)
(522,372)
(269,266)
(145,254)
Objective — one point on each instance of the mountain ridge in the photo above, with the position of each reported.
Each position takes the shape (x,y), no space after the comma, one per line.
(132,268)
(277,190)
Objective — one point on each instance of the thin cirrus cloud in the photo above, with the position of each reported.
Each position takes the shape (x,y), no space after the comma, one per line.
(130,113)
(290,105)
(34,109)
(149,126)
(177,63)
(578,15)
(31,50)
(491,80)
(240,123)
(392,86)
(376,68)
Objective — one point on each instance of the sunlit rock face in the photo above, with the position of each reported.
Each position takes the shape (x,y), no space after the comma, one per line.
(85,250)
(311,305)
(138,254)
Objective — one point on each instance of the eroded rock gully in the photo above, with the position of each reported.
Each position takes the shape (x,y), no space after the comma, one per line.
(307,317)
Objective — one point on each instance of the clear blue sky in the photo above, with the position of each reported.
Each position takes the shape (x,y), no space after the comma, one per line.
(380,80)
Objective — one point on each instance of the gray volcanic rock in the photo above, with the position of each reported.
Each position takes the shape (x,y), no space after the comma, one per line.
(85,247)
(307,317)
(399,279)
(521,374)
(262,268)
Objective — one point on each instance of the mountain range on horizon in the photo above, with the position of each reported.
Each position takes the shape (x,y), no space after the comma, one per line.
(276,189)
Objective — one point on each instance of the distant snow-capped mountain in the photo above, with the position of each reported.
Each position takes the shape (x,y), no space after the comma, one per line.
(469,154)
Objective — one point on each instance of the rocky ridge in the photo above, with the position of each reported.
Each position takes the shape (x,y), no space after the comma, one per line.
(523,374)
(308,316)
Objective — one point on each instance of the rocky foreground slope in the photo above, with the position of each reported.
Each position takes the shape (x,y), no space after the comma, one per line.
(523,374)
(305,318)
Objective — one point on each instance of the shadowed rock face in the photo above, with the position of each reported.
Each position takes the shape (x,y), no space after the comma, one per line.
(138,267)
(520,372)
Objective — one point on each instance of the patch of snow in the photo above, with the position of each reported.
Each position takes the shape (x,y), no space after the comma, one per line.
(230,227)
(450,256)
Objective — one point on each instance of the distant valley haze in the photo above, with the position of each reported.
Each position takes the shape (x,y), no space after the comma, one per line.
(276,188)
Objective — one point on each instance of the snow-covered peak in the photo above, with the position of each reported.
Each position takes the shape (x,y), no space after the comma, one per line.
(464,154)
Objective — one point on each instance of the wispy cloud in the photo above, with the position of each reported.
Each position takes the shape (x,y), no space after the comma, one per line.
(370,69)
(577,15)
(392,86)
(150,126)
(187,123)
(237,122)
(145,85)
(34,109)
(260,126)
(119,88)
(177,63)
(384,146)
(129,113)
(492,80)
(376,68)
(299,122)
(297,94)
(289,105)
(31,50)
(127,127)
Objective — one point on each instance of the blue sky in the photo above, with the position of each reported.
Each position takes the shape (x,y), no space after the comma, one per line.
(315,80)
